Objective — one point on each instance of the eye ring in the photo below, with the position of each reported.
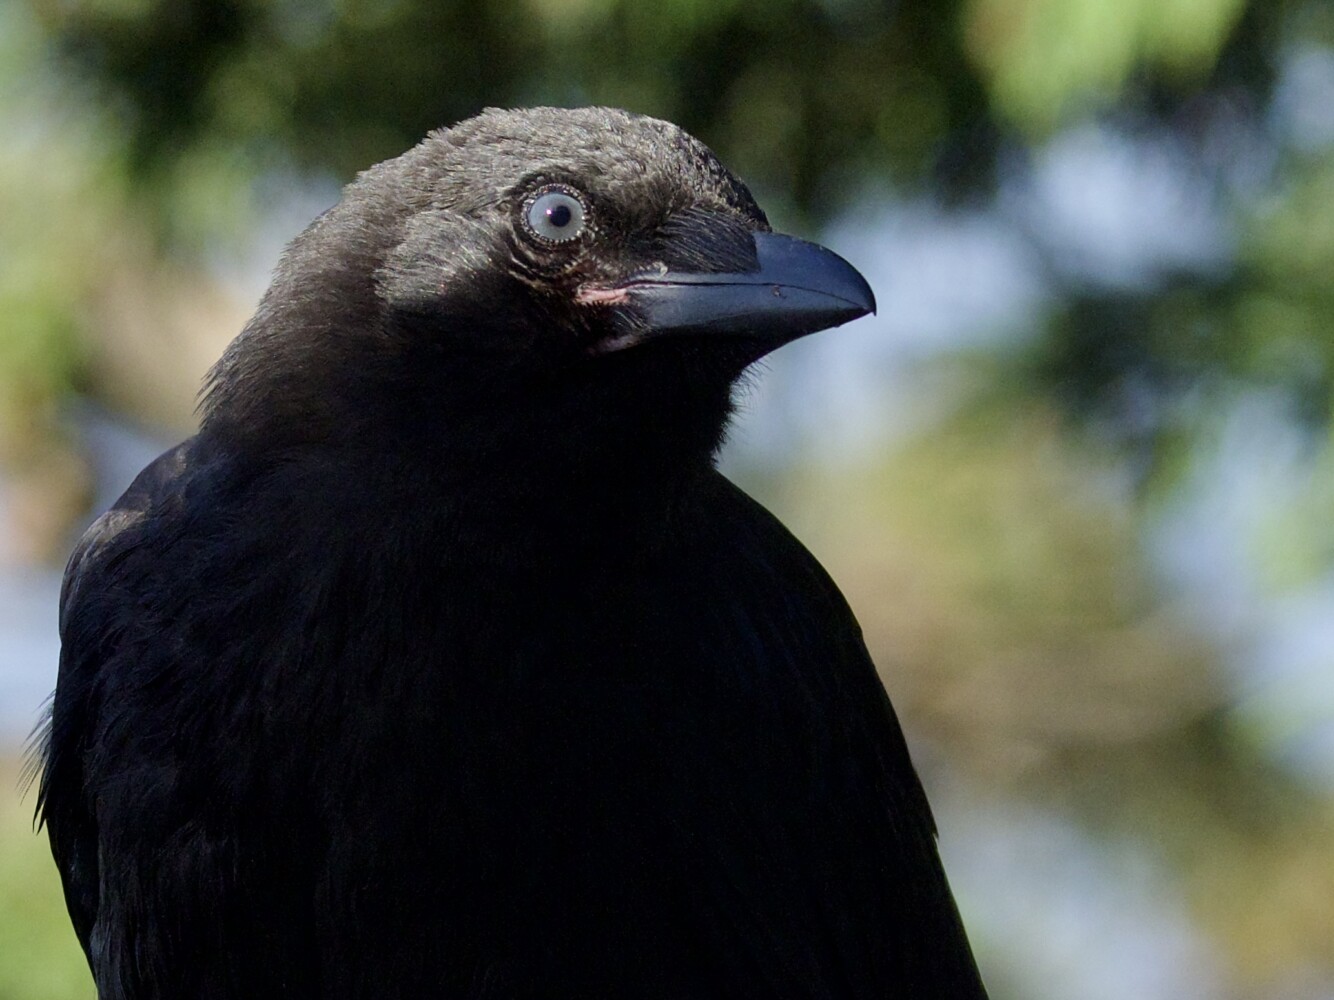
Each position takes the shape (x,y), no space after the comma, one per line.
(554,215)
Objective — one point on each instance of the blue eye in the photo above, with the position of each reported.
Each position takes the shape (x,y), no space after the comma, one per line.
(554,215)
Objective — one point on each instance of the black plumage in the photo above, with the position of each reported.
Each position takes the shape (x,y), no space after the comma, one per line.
(442,662)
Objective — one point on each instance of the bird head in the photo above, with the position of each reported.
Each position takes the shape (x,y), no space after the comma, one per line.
(538,269)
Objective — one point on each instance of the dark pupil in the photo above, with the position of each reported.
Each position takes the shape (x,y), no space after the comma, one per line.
(559,216)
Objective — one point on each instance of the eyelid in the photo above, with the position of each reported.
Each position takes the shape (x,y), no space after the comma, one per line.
(546,187)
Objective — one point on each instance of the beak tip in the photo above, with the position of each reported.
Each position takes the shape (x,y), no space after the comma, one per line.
(860,297)
(867,292)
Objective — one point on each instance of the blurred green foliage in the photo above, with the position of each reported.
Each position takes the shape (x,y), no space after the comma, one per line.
(40,958)
(1041,57)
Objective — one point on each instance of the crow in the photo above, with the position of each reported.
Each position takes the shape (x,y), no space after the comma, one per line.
(442,662)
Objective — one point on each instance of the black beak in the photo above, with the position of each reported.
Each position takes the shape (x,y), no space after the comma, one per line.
(798,288)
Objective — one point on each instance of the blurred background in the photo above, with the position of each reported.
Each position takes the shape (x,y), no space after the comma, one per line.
(1077,477)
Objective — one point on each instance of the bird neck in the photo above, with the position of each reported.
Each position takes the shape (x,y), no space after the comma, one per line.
(606,466)
(542,477)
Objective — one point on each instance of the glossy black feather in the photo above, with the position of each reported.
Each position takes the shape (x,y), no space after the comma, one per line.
(442,663)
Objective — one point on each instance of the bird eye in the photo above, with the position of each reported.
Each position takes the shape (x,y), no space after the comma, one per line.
(554,215)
